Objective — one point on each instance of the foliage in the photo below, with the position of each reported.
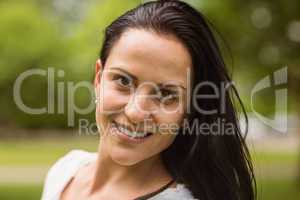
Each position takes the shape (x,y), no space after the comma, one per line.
(38,34)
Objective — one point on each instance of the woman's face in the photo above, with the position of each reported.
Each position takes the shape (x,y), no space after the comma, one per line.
(141,95)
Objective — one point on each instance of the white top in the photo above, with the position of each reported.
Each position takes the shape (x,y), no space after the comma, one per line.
(66,167)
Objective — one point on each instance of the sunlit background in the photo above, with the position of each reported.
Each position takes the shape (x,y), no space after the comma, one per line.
(61,40)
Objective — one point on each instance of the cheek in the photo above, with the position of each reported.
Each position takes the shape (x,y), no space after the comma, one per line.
(111,100)
(165,140)
(158,144)
(172,113)
(167,121)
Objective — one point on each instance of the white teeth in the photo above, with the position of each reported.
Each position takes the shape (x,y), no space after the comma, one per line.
(133,134)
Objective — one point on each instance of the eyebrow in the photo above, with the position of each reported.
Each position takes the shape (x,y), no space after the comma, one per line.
(135,79)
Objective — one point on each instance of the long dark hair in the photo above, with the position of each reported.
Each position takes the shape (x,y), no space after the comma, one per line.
(212,166)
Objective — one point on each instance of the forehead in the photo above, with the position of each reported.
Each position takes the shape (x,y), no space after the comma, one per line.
(151,56)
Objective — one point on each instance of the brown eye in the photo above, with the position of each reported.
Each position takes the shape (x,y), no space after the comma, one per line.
(123,81)
(168,96)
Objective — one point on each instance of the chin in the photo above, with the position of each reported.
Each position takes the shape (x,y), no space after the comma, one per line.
(125,157)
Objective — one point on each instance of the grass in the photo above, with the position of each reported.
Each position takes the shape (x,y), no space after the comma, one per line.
(271,157)
(20,192)
(277,190)
(45,151)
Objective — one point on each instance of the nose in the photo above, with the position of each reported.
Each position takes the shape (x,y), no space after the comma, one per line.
(139,108)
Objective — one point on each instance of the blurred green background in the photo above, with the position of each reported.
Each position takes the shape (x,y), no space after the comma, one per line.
(257,38)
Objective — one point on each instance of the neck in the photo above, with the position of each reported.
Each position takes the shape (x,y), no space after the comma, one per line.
(145,173)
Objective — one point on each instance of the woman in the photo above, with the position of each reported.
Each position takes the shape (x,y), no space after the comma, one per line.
(157,63)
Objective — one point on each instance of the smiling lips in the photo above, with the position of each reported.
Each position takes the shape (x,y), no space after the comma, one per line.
(125,130)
